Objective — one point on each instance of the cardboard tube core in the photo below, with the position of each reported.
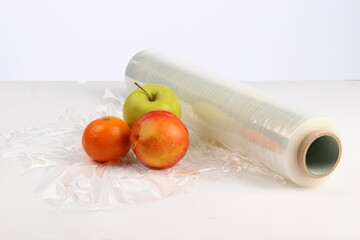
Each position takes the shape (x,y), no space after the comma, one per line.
(319,153)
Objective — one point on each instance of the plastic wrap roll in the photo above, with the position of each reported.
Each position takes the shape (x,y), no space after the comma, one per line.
(301,147)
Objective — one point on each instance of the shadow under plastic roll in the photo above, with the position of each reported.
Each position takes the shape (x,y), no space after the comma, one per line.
(301,147)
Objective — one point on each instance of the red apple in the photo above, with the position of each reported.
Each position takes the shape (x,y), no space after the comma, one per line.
(159,139)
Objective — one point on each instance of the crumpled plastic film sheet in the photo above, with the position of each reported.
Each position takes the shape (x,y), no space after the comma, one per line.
(57,169)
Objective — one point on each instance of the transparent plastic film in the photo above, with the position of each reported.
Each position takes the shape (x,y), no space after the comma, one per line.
(57,169)
(301,147)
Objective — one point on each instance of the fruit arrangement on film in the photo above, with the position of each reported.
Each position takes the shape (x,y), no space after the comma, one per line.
(152,129)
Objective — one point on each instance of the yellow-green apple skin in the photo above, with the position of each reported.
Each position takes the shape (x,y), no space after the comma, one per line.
(159,139)
(138,103)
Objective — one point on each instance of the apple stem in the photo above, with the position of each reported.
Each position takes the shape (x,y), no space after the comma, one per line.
(147,94)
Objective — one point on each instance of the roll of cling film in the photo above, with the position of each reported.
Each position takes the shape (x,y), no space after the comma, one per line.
(301,147)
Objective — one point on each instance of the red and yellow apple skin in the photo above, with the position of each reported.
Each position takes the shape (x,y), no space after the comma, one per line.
(159,139)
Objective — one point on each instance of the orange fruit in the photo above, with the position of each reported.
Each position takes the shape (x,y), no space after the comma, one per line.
(106,139)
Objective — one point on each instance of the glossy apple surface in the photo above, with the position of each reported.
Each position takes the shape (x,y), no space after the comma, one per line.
(138,102)
(159,139)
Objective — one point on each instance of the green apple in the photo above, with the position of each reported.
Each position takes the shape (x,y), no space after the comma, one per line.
(148,98)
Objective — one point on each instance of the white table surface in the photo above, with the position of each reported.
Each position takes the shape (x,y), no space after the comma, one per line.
(252,208)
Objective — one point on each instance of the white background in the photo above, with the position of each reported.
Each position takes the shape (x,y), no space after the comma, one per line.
(244,40)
